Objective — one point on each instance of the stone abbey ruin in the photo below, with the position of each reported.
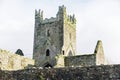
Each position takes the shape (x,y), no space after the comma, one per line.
(55,42)
(54,54)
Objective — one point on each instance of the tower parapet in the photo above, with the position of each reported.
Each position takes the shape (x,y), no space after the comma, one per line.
(39,15)
(61,12)
(61,15)
(71,18)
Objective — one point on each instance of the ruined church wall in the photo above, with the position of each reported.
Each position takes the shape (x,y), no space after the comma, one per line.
(100,58)
(80,60)
(103,72)
(10,61)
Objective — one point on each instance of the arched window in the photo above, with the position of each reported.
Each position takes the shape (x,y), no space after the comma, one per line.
(47,52)
(19,52)
(63,52)
(48,33)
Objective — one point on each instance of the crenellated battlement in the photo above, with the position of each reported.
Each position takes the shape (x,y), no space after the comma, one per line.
(61,11)
(71,19)
(39,15)
(61,15)
(48,20)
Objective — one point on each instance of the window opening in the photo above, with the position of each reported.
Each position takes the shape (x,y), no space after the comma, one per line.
(48,33)
(47,52)
(63,52)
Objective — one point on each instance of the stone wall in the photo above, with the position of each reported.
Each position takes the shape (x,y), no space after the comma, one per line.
(88,59)
(80,60)
(10,61)
(59,61)
(103,72)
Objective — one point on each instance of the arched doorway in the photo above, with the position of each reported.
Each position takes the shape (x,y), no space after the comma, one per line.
(47,65)
(47,52)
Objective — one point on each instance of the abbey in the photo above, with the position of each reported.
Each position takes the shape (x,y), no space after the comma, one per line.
(55,42)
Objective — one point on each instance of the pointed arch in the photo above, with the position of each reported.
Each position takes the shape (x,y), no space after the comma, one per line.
(47,52)
(47,65)
(48,33)
(70,53)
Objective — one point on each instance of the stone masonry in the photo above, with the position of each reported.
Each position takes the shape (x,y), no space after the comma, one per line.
(55,42)
(54,45)
(54,36)
(102,72)
(10,61)
(97,58)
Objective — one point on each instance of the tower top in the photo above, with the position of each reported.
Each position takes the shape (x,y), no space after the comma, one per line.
(62,8)
(61,15)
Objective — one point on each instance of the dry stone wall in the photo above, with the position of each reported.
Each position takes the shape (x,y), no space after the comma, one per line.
(10,61)
(103,72)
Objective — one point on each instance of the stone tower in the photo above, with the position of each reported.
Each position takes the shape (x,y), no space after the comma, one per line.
(54,36)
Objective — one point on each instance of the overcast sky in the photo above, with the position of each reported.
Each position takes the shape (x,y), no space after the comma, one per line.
(96,20)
